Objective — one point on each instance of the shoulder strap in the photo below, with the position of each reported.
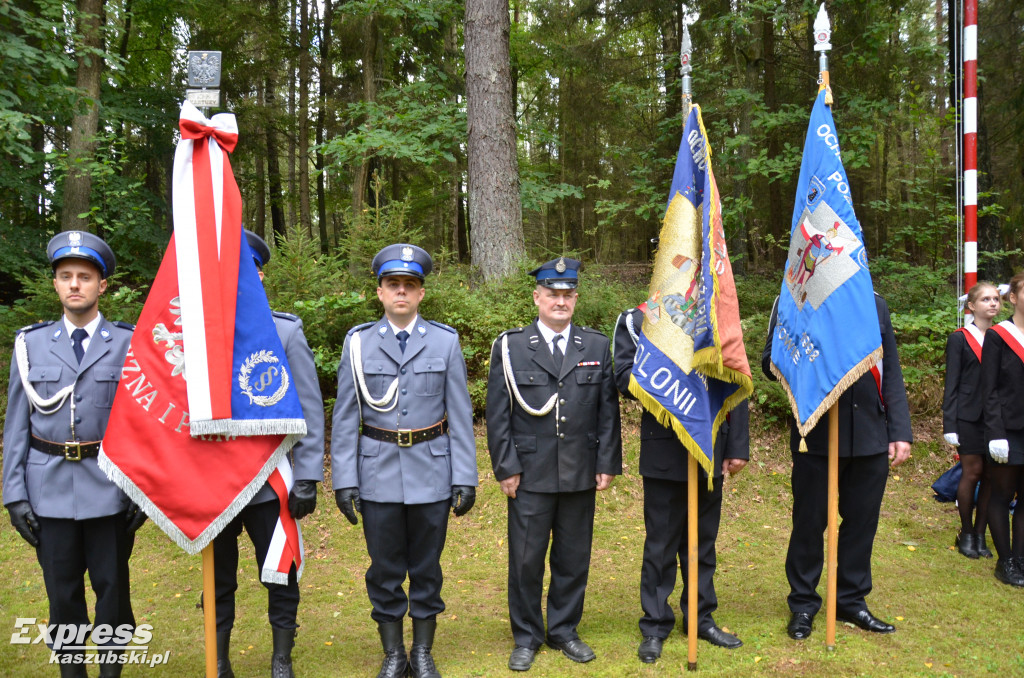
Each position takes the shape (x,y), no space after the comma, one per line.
(973,341)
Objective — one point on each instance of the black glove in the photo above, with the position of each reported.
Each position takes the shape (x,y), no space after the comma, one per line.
(302,498)
(135,517)
(463,498)
(24,521)
(347,498)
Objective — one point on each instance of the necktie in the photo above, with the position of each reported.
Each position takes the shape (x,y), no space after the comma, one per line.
(403,337)
(77,337)
(556,351)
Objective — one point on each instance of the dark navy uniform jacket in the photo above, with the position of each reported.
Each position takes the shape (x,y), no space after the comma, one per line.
(563,455)
(1002,385)
(962,396)
(662,455)
(55,487)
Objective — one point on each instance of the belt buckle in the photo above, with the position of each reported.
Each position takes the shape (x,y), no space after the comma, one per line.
(76,455)
(405,437)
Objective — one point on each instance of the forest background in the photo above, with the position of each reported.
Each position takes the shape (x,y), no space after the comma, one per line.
(353,134)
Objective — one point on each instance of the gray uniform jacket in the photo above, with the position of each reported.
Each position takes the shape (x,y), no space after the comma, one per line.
(55,487)
(431,385)
(565,449)
(307,456)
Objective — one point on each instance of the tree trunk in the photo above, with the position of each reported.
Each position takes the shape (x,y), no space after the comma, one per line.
(362,179)
(82,146)
(273,161)
(326,86)
(304,70)
(495,211)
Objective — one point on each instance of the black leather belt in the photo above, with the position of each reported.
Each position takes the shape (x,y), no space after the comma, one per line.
(73,450)
(406,437)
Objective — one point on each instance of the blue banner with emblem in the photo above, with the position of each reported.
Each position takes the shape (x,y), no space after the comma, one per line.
(690,366)
(826,332)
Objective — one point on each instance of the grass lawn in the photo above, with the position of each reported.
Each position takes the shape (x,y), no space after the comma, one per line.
(953,617)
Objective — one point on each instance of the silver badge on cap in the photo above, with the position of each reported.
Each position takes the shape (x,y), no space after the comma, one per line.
(75,239)
(560,266)
(406,254)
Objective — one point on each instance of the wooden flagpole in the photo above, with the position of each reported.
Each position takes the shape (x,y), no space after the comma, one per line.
(209,612)
(685,50)
(691,561)
(833,526)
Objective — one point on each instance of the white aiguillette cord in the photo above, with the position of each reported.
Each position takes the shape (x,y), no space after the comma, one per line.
(513,388)
(44,405)
(356,360)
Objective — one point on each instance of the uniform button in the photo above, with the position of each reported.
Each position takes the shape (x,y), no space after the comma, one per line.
(404,391)
(855,406)
(561,435)
(78,397)
(78,420)
(562,401)
(563,419)
(560,384)
(404,412)
(531,378)
(590,377)
(403,370)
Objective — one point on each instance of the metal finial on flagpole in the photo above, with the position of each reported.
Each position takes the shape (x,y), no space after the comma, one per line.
(822,35)
(685,49)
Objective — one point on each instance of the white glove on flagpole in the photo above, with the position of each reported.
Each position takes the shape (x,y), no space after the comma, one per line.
(1000,450)
(952,438)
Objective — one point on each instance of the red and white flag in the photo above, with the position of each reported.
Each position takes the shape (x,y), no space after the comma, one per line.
(205,411)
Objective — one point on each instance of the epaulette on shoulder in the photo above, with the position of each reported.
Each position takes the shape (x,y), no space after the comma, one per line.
(36,326)
(443,326)
(286,316)
(359,328)
(514,330)
(590,329)
(123,325)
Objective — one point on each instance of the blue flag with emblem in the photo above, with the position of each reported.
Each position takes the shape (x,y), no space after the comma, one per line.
(691,367)
(826,332)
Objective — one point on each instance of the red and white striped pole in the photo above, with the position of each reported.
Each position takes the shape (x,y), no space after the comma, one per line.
(970,123)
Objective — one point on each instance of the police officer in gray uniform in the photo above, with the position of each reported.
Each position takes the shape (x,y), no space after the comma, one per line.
(402,452)
(553,434)
(260,517)
(63,378)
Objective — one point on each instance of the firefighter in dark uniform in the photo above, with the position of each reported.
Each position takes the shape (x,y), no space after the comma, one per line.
(260,517)
(874,432)
(402,453)
(63,378)
(663,465)
(553,434)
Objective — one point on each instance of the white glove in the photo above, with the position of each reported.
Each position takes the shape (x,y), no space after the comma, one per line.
(1000,450)
(952,438)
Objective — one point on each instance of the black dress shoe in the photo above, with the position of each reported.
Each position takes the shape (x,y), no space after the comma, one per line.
(521,659)
(800,625)
(1008,571)
(650,649)
(966,544)
(574,648)
(719,638)
(866,621)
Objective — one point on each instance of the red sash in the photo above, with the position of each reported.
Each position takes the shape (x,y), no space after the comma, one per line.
(1010,337)
(972,341)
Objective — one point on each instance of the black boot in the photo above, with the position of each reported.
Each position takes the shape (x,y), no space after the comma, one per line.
(420,661)
(964,543)
(111,666)
(281,662)
(224,655)
(981,546)
(395,664)
(73,671)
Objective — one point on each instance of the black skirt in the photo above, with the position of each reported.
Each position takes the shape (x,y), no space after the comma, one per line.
(972,437)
